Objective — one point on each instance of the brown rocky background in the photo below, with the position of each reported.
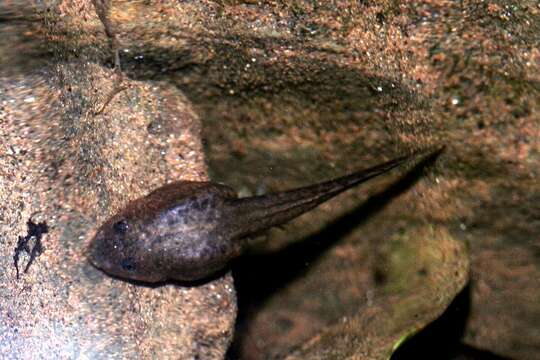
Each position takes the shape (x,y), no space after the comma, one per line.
(286,93)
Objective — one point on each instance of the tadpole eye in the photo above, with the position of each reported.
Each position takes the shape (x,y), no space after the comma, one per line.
(120,227)
(128,264)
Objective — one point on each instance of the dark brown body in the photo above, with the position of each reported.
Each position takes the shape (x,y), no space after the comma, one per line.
(190,230)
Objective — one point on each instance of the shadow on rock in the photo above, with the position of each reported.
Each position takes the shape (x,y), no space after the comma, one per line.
(442,338)
(257,277)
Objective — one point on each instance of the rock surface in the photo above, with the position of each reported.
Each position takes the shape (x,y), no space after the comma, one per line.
(289,93)
(66,167)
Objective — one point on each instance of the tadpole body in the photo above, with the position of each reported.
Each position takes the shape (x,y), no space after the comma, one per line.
(189,231)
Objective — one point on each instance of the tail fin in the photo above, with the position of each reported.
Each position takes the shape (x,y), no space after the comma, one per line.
(254,214)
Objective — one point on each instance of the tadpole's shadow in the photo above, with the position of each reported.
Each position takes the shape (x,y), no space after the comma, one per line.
(258,276)
(442,339)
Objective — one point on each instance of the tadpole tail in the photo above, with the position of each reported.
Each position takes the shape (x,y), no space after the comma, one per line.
(254,214)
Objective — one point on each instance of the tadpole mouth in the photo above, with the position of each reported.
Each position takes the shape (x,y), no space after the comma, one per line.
(95,254)
(97,266)
(92,260)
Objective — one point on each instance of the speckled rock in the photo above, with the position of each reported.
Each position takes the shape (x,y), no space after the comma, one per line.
(64,166)
(290,92)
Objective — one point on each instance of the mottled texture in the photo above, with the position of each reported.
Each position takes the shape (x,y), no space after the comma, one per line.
(294,91)
(63,166)
(189,231)
(437,269)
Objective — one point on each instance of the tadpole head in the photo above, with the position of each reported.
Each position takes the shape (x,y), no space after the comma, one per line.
(115,249)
